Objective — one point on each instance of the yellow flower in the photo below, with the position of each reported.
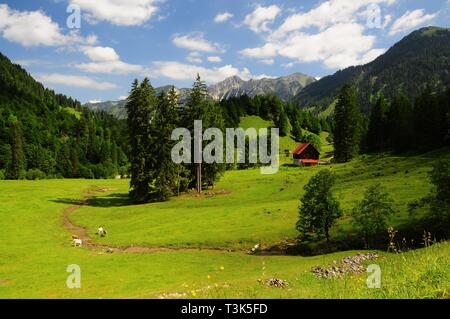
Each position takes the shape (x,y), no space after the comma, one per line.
(222,268)
(194,294)
(209,277)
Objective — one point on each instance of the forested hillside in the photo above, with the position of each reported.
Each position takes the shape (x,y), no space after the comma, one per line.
(419,61)
(47,135)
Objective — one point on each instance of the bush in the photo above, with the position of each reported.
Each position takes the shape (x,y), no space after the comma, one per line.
(2,174)
(34,174)
(85,172)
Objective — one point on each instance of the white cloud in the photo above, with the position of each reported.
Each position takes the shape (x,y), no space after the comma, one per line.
(181,72)
(266,51)
(214,59)
(194,42)
(195,57)
(326,14)
(106,60)
(34,28)
(75,81)
(288,65)
(123,13)
(267,61)
(259,19)
(223,17)
(410,20)
(101,54)
(94,101)
(332,33)
(339,46)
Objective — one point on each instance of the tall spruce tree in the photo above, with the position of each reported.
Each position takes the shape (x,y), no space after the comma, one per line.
(377,135)
(347,129)
(17,168)
(283,122)
(199,107)
(140,109)
(167,174)
(401,125)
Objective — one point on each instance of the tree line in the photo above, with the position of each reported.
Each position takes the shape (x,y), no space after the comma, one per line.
(398,125)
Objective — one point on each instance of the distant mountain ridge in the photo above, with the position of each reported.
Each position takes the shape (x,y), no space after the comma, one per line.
(286,88)
(418,61)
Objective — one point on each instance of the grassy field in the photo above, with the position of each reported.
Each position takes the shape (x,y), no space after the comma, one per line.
(246,208)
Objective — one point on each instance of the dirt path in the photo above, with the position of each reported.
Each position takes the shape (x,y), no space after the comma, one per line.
(88,242)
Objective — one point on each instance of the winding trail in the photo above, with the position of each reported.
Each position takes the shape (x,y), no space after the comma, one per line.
(88,242)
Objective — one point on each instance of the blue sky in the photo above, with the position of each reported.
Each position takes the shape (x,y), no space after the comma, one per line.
(169,41)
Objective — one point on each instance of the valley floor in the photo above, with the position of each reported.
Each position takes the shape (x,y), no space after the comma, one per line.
(245,209)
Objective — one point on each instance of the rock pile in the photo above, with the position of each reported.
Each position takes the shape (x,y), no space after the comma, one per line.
(276,283)
(347,265)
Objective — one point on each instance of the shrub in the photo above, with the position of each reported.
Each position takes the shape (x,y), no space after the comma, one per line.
(2,174)
(34,174)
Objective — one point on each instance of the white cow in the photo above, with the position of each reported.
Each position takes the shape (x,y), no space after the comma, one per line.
(77,242)
(102,232)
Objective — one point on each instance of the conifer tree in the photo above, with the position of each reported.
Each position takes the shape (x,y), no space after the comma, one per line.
(199,107)
(166,120)
(283,123)
(401,123)
(17,168)
(377,134)
(140,109)
(347,125)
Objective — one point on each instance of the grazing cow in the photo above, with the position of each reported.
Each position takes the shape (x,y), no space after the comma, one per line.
(77,243)
(102,232)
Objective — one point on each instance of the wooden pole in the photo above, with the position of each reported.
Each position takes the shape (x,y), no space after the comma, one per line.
(199,178)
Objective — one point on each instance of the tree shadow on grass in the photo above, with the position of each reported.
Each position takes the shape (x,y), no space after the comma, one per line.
(111,200)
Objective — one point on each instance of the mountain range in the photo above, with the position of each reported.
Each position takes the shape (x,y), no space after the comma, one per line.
(420,60)
(286,88)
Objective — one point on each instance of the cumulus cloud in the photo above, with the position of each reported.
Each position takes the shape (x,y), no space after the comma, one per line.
(339,46)
(267,61)
(326,14)
(260,18)
(181,72)
(195,57)
(34,28)
(195,42)
(106,60)
(223,17)
(75,81)
(214,59)
(101,54)
(123,13)
(410,20)
(330,33)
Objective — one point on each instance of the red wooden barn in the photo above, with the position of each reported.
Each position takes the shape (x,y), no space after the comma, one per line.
(306,155)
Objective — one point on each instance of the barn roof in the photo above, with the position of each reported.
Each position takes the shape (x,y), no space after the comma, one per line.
(301,148)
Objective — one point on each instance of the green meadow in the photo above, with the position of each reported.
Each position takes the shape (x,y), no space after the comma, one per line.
(244,209)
